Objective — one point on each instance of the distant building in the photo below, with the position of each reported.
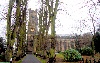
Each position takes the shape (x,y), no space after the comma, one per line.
(32,24)
(32,27)
(62,43)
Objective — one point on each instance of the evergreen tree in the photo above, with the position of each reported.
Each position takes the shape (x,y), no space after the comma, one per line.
(97,40)
(1,45)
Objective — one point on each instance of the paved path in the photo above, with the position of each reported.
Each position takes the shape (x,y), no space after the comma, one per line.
(30,58)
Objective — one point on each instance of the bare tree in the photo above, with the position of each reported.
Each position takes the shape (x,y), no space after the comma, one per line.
(47,15)
(16,27)
(93,16)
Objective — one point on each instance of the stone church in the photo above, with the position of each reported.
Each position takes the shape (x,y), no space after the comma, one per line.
(32,28)
(62,44)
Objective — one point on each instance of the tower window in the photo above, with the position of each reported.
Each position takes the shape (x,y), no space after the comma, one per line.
(32,29)
(33,17)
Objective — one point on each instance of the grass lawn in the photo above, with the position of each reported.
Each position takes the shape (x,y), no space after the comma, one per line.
(20,61)
(4,62)
(59,55)
(60,58)
(41,60)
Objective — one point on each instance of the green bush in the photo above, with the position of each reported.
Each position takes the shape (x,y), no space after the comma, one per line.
(2,57)
(59,51)
(72,55)
(86,51)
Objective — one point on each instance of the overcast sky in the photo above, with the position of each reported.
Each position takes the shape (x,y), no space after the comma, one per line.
(68,20)
(74,12)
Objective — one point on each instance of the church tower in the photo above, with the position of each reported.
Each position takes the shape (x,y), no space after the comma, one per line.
(32,28)
(32,24)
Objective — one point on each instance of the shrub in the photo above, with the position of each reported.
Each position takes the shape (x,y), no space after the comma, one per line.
(72,55)
(2,57)
(86,51)
(59,51)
